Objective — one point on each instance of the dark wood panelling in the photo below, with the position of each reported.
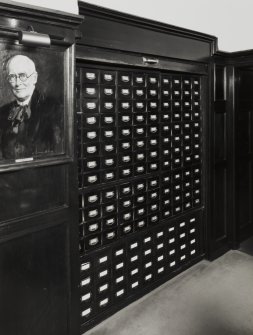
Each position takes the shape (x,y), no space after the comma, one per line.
(31,190)
(113,30)
(34,291)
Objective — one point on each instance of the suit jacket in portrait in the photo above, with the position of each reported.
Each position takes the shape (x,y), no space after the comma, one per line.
(40,134)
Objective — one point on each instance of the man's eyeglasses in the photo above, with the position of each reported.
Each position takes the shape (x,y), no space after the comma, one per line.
(21,76)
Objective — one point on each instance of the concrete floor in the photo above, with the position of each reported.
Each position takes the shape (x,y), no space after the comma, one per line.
(208,299)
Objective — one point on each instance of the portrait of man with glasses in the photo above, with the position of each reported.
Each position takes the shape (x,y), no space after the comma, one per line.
(28,124)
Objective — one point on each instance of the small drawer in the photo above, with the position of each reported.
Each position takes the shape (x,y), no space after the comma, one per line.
(152,80)
(125,106)
(139,93)
(176,93)
(125,172)
(153,142)
(153,219)
(140,144)
(140,199)
(153,207)
(196,193)
(166,164)
(109,236)
(153,118)
(177,209)
(92,213)
(153,130)
(125,159)
(187,127)
(140,106)
(126,229)
(108,175)
(139,131)
(125,217)
(140,186)
(177,187)
(92,242)
(125,78)
(176,162)
(140,118)
(140,212)
(187,185)
(166,212)
(125,92)
(166,81)
(90,76)
(139,79)
(177,199)
(152,93)
(166,179)
(186,93)
(140,224)
(91,198)
(91,164)
(153,155)
(109,147)
(196,202)
(109,222)
(109,194)
(153,183)
(176,129)
(109,162)
(140,156)
(196,115)
(125,190)
(140,169)
(166,154)
(153,105)
(92,227)
(176,176)
(166,92)
(108,120)
(109,208)
(108,133)
(125,132)
(187,196)
(187,106)
(165,106)
(125,119)
(187,205)
(108,77)
(166,201)
(108,105)
(176,116)
(91,179)
(91,121)
(176,82)
(153,166)
(107,92)
(125,203)
(196,105)
(153,195)
(166,117)
(125,145)
(90,105)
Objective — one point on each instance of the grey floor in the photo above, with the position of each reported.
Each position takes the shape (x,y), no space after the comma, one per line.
(208,299)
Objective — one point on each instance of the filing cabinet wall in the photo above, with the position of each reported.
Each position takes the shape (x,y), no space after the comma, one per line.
(142,145)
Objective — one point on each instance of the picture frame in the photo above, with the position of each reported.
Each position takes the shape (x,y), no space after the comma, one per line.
(44,137)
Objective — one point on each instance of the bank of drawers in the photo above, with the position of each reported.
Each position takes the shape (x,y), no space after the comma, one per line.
(125,268)
(133,123)
(116,211)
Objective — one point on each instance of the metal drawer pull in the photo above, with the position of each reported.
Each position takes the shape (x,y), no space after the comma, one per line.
(92,165)
(125,78)
(125,105)
(125,91)
(90,90)
(90,75)
(93,241)
(108,91)
(139,92)
(139,80)
(91,135)
(110,221)
(91,105)
(110,175)
(93,227)
(108,133)
(108,119)
(109,147)
(110,236)
(91,150)
(91,120)
(126,145)
(93,213)
(108,105)
(110,208)
(127,229)
(126,159)
(127,203)
(92,179)
(109,162)
(150,61)
(125,118)
(141,223)
(110,194)
(108,77)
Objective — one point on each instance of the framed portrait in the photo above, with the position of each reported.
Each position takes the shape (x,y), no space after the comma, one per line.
(35,104)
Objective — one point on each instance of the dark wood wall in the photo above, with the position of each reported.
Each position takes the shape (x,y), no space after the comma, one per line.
(39,264)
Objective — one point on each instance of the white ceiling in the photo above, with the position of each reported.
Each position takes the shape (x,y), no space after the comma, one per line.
(230,20)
